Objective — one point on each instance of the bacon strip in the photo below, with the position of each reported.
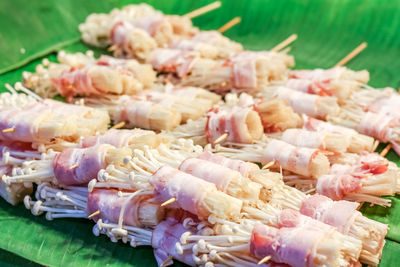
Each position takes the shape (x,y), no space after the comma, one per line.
(336,186)
(292,158)
(109,203)
(293,246)
(320,88)
(326,210)
(117,138)
(237,165)
(163,240)
(173,61)
(243,125)
(77,166)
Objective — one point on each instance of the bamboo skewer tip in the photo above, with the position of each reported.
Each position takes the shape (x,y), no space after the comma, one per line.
(203,10)
(8,130)
(169,201)
(264,260)
(94,214)
(229,24)
(284,43)
(352,54)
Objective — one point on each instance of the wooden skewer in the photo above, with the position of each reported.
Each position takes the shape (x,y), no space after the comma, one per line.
(359,206)
(118,125)
(229,24)
(94,214)
(269,164)
(203,10)
(221,138)
(352,54)
(284,43)
(169,201)
(112,48)
(375,146)
(8,130)
(386,150)
(264,260)
(165,262)
(73,166)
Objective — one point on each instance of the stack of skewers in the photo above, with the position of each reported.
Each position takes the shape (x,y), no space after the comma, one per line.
(227,156)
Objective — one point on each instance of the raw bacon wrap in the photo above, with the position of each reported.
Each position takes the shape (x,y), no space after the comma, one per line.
(25,122)
(292,158)
(340,214)
(109,203)
(336,186)
(216,174)
(301,138)
(312,124)
(294,246)
(117,138)
(119,33)
(242,124)
(320,88)
(173,60)
(318,74)
(188,190)
(237,165)
(136,112)
(89,162)
(74,81)
(292,218)
(299,101)
(244,74)
(380,126)
(163,240)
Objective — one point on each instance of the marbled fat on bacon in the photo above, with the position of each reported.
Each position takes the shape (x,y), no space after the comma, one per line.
(77,166)
(164,238)
(237,165)
(292,158)
(326,210)
(188,190)
(294,246)
(109,203)
(378,125)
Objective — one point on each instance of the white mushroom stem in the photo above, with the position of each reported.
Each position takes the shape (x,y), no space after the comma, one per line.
(45,175)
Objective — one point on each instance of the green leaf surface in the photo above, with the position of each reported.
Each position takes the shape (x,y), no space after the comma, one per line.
(327,29)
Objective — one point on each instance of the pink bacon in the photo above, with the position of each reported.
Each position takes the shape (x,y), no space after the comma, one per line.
(109,203)
(292,158)
(318,74)
(321,88)
(245,168)
(188,190)
(163,240)
(233,122)
(116,138)
(77,166)
(293,246)
(326,210)
(74,81)
(173,61)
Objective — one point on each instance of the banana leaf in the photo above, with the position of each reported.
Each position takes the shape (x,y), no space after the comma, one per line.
(327,29)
